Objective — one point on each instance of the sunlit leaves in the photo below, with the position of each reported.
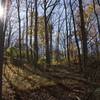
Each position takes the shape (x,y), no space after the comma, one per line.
(88,11)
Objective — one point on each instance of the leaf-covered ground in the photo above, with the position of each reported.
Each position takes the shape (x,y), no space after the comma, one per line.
(44,83)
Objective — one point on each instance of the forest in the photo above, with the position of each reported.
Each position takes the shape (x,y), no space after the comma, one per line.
(49,49)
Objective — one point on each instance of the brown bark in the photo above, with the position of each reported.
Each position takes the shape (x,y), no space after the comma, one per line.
(84,35)
(46,35)
(36,35)
(19,24)
(27,50)
(31,33)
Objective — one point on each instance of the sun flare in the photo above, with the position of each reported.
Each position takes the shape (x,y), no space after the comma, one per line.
(1,11)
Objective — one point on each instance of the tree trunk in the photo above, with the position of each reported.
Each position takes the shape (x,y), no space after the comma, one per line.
(46,35)
(2,34)
(19,22)
(2,38)
(51,43)
(35,35)
(57,46)
(27,51)
(68,56)
(31,33)
(97,48)
(84,35)
(9,35)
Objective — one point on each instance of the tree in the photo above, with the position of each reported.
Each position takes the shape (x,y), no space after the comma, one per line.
(46,34)
(51,43)
(31,30)
(84,34)
(98,2)
(75,34)
(9,35)
(19,23)
(2,38)
(27,51)
(66,19)
(46,19)
(35,35)
(97,18)
(1,54)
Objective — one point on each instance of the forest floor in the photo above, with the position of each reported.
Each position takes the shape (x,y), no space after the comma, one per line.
(46,83)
